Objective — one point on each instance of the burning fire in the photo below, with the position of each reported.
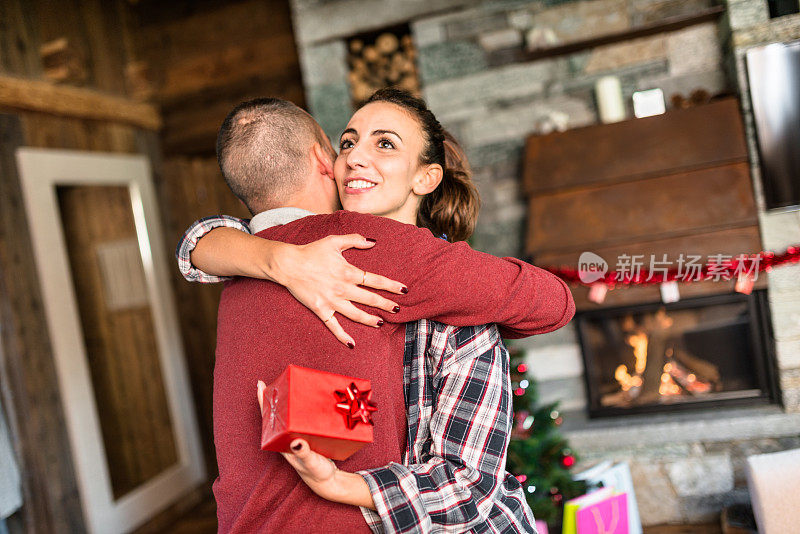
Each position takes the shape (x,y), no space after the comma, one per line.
(668,385)
(676,379)
(626,381)
(639,343)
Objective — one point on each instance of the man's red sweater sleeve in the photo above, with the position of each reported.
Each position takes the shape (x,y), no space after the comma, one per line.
(453,284)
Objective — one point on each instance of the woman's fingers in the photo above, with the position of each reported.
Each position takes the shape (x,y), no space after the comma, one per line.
(368,298)
(300,448)
(321,279)
(347,309)
(337,330)
(316,470)
(343,242)
(376,281)
(372,280)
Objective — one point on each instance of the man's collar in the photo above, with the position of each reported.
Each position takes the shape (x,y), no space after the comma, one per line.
(266,219)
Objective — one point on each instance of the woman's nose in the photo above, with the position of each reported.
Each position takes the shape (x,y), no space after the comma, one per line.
(356,156)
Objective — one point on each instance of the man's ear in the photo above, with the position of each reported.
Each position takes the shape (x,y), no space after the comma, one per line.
(322,161)
(428,180)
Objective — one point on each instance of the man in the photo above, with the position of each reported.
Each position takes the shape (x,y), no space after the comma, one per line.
(277,160)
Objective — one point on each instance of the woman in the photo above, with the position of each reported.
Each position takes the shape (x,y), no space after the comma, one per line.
(395,161)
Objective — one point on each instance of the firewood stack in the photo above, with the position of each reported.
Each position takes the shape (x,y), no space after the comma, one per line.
(388,61)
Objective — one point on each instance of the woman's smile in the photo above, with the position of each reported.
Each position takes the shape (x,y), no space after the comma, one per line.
(358,185)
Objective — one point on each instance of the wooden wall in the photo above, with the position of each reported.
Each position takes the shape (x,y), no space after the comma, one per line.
(198,59)
(105,75)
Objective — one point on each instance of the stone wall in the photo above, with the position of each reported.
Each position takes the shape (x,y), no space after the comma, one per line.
(475,82)
(687,466)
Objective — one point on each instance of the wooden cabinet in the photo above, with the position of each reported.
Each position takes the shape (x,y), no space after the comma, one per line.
(670,184)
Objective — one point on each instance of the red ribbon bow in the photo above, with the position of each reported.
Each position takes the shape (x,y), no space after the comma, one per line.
(355,405)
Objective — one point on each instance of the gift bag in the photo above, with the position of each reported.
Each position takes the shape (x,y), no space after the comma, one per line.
(572,506)
(618,477)
(609,516)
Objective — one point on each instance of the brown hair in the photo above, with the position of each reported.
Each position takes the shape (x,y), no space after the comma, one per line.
(260,149)
(452,208)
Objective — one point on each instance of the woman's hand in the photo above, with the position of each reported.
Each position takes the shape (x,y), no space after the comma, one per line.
(326,480)
(322,280)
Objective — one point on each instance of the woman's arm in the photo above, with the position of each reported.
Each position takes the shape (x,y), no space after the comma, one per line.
(454,284)
(216,248)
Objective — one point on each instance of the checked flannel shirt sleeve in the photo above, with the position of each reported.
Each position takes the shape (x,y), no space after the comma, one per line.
(189,240)
(460,419)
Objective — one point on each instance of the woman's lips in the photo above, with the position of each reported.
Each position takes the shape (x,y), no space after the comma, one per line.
(355,186)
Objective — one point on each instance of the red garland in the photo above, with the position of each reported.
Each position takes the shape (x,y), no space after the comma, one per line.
(763,261)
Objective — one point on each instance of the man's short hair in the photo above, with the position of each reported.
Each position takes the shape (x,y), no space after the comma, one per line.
(262,150)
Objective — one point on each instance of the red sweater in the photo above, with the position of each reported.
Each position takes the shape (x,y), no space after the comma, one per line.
(262,328)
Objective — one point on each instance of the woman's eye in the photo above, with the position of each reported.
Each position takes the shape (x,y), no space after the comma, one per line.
(345,144)
(385,143)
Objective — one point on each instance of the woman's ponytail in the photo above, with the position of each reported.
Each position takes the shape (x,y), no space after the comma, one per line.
(452,208)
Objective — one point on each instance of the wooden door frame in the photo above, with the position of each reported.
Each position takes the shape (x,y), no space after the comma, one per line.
(41,170)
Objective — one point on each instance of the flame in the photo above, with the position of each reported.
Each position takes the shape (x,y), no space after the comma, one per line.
(626,381)
(668,385)
(639,343)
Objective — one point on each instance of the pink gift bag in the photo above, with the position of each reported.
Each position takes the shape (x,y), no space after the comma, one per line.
(609,516)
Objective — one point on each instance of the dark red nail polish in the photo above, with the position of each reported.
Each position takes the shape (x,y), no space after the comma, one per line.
(351,345)
(297,447)
(404,290)
(380,322)
(396,309)
(370,240)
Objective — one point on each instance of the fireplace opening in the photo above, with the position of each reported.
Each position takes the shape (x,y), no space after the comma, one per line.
(695,353)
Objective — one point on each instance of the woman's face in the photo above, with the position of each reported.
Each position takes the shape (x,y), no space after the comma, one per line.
(377,170)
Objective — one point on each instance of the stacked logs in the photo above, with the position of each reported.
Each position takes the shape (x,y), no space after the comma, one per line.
(386,62)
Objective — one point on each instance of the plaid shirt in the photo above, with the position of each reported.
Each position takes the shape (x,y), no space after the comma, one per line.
(189,240)
(459,409)
(453,478)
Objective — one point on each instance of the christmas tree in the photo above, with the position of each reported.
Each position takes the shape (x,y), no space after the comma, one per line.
(538,454)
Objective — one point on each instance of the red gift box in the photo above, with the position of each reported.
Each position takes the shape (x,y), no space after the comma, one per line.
(332,412)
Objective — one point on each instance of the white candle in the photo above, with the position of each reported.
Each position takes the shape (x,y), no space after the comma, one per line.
(609,99)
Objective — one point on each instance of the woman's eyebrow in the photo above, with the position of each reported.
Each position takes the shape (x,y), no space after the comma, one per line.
(349,131)
(382,132)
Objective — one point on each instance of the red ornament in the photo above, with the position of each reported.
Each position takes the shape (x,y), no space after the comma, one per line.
(568,460)
(521,368)
(355,405)
(519,392)
(521,478)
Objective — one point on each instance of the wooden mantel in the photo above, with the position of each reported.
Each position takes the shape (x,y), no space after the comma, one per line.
(34,95)
(677,183)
